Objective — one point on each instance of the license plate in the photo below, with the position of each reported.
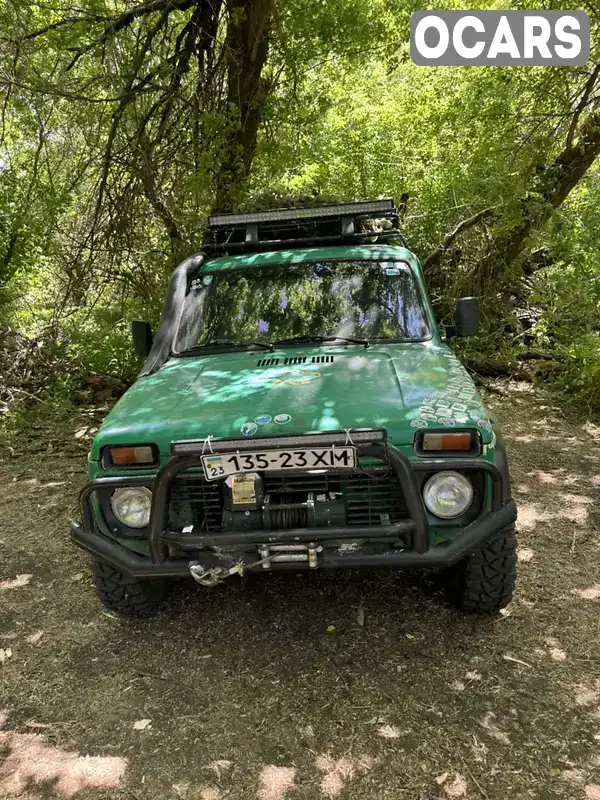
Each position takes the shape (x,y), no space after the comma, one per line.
(219,466)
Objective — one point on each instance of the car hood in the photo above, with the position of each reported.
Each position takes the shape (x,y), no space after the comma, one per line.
(400,387)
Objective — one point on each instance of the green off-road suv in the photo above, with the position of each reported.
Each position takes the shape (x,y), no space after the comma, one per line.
(299,408)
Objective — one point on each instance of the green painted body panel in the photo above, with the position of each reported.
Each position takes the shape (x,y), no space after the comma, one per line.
(399,387)
(402,387)
(353,253)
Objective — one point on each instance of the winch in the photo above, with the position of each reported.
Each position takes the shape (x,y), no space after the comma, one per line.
(247,507)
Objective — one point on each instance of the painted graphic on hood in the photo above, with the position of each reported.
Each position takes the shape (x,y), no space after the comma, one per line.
(455,404)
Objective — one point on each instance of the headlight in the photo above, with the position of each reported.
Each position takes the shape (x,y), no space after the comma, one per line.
(131,505)
(448,494)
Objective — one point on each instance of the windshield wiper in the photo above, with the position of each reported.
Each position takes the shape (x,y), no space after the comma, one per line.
(320,338)
(227,343)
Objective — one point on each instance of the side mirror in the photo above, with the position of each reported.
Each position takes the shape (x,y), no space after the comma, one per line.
(466,316)
(141,333)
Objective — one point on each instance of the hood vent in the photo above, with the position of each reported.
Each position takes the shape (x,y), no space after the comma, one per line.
(322,359)
(294,360)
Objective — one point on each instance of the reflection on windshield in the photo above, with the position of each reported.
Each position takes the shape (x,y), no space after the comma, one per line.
(351,299)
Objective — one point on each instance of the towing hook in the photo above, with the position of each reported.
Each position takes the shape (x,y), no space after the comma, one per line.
(213,576)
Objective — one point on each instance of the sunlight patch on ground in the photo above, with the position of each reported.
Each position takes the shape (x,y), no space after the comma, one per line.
(573,507)
(337,772)
(220,767)
(574,776)
(389,732)
(591,593)
(555,651)
(210,793)
(29,759)
(275,782)
(530,514)
(576,507)
(20,580)
(588,696)
(457,787)
(524,555)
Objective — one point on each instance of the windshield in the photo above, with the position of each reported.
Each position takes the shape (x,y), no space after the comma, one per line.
(365,300)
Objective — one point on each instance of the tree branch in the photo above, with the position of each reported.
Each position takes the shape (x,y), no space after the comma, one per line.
(116,24)
(126,97)
(449,238)
(587,91)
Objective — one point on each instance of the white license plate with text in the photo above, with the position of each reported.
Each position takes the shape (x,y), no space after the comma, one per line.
(316,458)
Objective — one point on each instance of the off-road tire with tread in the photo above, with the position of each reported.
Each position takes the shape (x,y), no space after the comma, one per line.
(123,594)
(484,582)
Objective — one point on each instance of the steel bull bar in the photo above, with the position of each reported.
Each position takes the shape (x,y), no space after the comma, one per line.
(370,443)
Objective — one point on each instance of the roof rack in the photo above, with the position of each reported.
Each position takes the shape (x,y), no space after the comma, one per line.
(306,226)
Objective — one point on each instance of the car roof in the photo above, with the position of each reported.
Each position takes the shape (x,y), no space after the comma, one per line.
(350,252)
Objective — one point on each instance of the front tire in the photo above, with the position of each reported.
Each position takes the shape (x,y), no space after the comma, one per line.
(125,595)
(484,582)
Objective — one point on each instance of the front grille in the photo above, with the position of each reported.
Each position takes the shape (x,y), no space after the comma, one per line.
(370,498)
(195,501)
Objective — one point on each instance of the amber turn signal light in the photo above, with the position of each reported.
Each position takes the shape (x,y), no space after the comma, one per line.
(447,441)
(131,456)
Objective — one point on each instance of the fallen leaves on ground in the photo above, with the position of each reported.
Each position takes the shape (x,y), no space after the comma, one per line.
(508,657)
(15,583)
(30,759)
(575,776)
(489,724)
(274,782)
(34,638)
(555,651)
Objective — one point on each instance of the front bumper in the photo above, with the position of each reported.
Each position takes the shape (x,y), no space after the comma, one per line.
(204,547)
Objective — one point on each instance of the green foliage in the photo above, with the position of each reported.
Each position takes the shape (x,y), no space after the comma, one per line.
(112,146)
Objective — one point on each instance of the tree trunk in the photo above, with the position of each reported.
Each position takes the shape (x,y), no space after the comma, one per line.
(247,50)
(551,188)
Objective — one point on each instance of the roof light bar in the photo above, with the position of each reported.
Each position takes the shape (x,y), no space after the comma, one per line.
(383,206)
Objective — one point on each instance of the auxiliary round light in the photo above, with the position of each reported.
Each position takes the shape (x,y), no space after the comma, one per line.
(448,494)
(131,505)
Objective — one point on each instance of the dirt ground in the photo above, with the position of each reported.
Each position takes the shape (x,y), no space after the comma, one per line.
(272,689)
